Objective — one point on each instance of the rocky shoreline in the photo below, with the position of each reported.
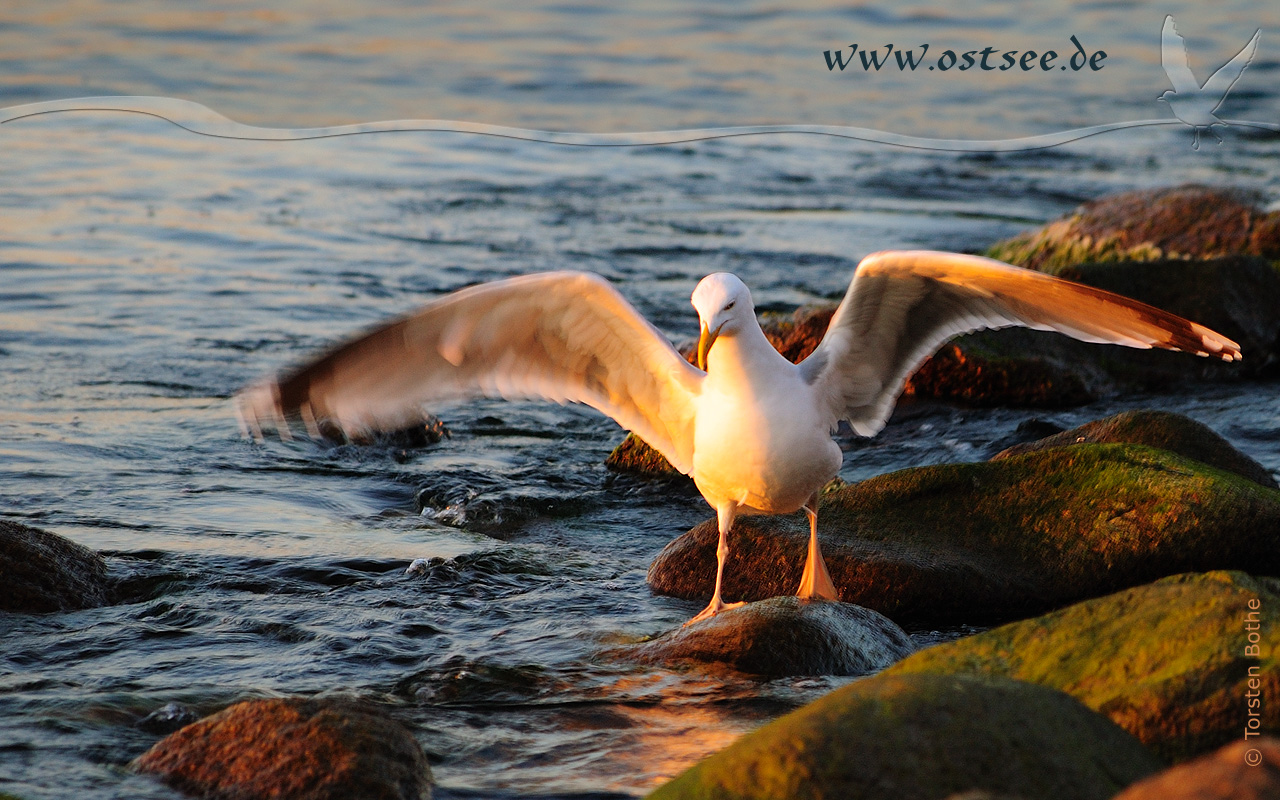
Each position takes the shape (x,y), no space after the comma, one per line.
(1128,565)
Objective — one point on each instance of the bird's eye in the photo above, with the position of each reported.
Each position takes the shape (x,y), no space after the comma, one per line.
(731,305)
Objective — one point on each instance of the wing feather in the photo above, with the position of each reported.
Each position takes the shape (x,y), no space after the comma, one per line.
(1220,82)
(902,306)
(561,336)
(1173,56)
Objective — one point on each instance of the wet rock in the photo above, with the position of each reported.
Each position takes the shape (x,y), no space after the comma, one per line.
(167,719)
(1150,224)
(998,540)
(44,572)
(635,455)
(995,368)
(1166,661)
(1162,429)
(1232,773)
(784,636)
(896,736)
(292,748)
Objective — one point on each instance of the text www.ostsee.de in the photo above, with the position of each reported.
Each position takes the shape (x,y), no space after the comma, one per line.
(986,59)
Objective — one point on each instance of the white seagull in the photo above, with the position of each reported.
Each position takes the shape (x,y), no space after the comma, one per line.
(751,428)
(1191,102)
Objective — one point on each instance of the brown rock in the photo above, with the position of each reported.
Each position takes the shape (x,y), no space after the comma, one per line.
(1242,770)
(1163,429)
(783,636)
(1179,222)
(45,572)
(293,749)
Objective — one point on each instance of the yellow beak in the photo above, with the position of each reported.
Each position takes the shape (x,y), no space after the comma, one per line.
(705,340)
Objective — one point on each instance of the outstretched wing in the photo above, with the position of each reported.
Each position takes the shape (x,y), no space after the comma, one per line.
(562,336)
(1220,82)
(1173,55)
(902,306)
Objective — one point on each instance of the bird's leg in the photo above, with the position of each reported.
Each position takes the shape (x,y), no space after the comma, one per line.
(816,583)
(724,519)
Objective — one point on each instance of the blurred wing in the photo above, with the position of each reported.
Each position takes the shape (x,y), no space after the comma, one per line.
(1220,82)
(562,336)
(1173,55)
(902,306)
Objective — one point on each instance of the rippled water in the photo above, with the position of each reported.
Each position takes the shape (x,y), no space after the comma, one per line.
(146,274)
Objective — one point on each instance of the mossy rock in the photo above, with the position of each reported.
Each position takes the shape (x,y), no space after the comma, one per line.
(45,572)
(292,748)
(1165,430)
(783,636)
(1150,224)
(1166,661)
(925,736)
(1242,770)
(998,540)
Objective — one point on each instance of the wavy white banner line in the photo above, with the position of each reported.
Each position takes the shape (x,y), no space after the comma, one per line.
(196,118)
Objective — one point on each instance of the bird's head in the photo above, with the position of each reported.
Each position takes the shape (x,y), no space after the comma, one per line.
(1167,96)
(724,306)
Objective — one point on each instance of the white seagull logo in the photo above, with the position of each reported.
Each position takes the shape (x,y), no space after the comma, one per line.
(1191,102)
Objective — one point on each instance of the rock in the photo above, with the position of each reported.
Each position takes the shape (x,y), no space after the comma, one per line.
(1232,773)
(168,718)
(636,456)
(925,736)
(784,636)
(1150,224)
(292,748)
(1166,661)
(1004,368)
(1162,429)
(45,572)
(998,540)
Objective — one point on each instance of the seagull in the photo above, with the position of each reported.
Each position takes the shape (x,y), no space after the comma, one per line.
(1191,102)
(752,429)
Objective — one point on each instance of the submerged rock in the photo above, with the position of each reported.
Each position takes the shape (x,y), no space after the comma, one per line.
(293,748)
(1166,661)
(1150,224)
(1162,429)
(1242,770)
(45,572)
(997,540)
(784,636)
(925,736)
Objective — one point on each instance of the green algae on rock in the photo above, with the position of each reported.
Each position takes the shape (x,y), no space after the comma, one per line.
(1242,770)
(1150,224)
(45,572)
(294,748)
(904,736)
(1166,661)
(783,636)
(1161,429)
(998,540)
